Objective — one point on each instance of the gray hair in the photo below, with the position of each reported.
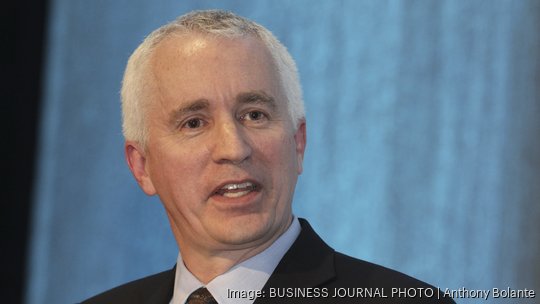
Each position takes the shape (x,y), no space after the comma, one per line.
(136,86)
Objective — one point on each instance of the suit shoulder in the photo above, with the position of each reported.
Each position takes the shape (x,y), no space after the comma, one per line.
(353,268)
(352,272)
(138,291)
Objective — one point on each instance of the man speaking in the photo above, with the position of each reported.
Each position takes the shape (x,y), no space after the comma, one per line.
(214,124)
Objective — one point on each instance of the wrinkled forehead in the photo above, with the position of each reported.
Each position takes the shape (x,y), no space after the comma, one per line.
(208,49)
(197,63)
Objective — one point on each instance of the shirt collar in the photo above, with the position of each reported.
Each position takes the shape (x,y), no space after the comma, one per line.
(250,275)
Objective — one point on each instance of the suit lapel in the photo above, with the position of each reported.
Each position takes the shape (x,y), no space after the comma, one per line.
(308,263)
(164,292)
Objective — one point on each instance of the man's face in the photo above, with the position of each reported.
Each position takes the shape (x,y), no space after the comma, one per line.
(222,152)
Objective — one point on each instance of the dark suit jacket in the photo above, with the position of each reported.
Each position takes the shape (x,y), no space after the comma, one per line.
(310,272)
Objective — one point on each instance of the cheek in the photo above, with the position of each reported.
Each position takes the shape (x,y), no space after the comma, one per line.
(176,171)
(279,151)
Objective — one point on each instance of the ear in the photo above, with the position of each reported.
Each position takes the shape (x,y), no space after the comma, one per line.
(300,139)
(136,159)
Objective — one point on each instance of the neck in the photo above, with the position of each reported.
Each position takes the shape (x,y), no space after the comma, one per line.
(206,264)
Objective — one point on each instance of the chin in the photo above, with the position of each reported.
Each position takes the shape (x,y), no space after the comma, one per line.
(244,230)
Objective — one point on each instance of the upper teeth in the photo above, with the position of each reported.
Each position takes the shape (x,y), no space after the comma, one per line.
(237,186)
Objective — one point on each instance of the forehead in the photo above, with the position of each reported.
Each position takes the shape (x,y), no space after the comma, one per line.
(194,66)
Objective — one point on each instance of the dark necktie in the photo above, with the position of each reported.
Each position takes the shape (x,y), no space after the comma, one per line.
(201,296)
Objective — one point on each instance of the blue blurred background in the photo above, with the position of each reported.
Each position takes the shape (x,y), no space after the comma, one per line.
(423,140)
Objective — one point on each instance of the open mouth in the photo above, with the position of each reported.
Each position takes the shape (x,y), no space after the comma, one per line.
(233,190)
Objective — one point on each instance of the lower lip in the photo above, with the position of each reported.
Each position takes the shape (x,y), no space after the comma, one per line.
(236,202)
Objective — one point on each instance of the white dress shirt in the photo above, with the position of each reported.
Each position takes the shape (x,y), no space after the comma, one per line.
(250,275)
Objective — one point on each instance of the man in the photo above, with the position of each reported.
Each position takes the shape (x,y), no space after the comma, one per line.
(214,124)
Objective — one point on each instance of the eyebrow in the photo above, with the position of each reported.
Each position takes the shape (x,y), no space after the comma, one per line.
(251,97)
(196,105)
(256,97)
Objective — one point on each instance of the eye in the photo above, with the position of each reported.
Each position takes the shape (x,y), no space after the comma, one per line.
(254,116)
(193,123)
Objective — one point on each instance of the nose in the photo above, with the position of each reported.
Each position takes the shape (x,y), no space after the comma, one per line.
(231,144)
